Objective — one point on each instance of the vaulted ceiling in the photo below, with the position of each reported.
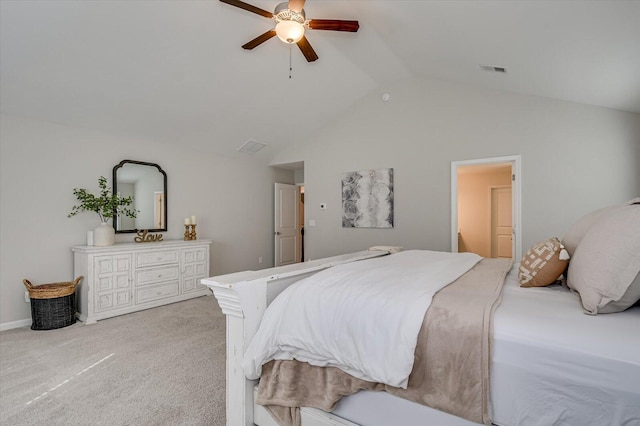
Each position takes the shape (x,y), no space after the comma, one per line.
(174,72)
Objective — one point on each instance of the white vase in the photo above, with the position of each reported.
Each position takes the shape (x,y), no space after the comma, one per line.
(104,235)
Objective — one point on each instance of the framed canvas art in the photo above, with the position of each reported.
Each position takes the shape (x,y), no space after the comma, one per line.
(367,199)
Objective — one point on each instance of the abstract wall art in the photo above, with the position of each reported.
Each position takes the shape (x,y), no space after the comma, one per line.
(367,199)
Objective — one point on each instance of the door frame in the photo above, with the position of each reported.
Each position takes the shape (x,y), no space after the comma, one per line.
(516,198)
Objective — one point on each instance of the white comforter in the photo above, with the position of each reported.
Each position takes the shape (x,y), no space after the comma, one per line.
(362,317)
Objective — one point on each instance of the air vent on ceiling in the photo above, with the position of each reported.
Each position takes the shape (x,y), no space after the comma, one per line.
(251,147)
(493,68)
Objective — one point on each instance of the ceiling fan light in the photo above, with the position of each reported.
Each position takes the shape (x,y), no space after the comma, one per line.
(290,31)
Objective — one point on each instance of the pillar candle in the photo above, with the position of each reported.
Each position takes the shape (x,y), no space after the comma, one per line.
(187,221)
(193,220)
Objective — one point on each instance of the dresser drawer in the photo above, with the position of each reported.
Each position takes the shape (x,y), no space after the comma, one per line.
(156,292)
(157,275)
(161,257)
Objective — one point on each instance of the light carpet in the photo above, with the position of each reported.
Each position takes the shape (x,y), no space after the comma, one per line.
(161,366)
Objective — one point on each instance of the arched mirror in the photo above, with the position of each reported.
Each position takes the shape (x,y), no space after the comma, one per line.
(147,184)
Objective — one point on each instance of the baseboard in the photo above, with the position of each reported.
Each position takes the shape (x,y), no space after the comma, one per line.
(15,324)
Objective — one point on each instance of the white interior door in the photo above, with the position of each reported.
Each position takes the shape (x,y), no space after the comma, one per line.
(287,227)
(501,223)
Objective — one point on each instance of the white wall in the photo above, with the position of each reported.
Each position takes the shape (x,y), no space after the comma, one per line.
(41,163)
(575,158)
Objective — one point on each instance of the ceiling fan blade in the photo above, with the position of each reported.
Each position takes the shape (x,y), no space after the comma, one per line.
(307,50)
(259,40)
(334,25)
(296,5)
(250,8)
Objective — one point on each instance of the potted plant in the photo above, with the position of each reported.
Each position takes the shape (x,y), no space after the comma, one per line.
(107,205)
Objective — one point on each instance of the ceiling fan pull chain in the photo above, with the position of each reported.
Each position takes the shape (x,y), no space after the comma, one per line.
(290,66)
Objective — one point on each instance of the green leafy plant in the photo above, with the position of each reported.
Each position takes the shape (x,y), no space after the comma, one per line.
(107,205)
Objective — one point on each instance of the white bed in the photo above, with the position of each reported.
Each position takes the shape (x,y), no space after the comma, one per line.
(552,364)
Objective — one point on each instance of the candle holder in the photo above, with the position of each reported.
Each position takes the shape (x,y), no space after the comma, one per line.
(190,232)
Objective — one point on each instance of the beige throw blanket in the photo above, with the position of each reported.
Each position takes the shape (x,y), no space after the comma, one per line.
(452,358)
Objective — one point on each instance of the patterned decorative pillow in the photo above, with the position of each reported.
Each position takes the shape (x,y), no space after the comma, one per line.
(543,263)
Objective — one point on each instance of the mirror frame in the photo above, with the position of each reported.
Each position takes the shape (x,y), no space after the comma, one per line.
(115,191)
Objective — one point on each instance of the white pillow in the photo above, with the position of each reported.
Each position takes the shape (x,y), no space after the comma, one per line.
(573,236)
(605,268)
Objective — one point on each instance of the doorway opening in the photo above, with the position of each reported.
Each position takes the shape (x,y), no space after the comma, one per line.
(485,206)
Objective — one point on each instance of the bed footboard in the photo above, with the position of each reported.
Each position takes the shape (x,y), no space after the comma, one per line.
(243,298)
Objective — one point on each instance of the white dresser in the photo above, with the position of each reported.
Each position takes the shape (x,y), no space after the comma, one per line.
(129,277)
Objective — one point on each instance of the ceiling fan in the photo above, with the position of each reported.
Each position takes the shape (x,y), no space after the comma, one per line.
(290,26)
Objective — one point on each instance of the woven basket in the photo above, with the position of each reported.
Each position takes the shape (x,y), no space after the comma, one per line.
(50,291)
(52,305)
